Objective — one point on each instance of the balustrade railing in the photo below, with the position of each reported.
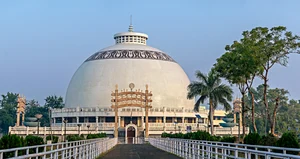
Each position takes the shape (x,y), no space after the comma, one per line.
(67,150)
(196,149)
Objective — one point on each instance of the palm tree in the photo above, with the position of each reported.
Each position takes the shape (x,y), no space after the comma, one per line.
(210,87)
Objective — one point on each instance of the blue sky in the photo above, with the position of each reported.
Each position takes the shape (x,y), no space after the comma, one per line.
(42,43)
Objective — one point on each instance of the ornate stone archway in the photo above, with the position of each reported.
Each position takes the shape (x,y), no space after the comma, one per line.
(128,126)
(131,98)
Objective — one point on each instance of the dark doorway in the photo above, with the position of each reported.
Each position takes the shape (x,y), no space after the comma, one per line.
(130,134)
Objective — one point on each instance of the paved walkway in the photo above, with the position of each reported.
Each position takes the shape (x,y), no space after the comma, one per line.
(138,151)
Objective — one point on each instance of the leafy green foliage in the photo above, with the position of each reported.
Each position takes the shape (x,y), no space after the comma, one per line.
(54,138)
(74,138)
(269,140)
(94,136)
(31,140)
(199,135)
(252,139)
(11,141)
(8,105)
(8,111)
(54,102)
(230,139)
(210,87)
(288,139)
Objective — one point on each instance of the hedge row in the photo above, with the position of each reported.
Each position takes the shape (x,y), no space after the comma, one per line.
(288,139)
(200,135)
(13,141)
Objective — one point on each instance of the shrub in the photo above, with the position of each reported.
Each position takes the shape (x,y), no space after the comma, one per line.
(288,139)
(94,136)
(201,135)
(31,140)
(269,140)
(74,138)
(188,135)
(214,138)
(54,138)
(164,135)
(11,141)
(229,139)
(252,139)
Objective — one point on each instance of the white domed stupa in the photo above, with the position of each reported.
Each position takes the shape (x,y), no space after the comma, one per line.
(129,63)
(130,60)
(90,106)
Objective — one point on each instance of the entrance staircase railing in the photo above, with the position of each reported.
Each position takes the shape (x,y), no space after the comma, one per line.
(197,149)
(66,150)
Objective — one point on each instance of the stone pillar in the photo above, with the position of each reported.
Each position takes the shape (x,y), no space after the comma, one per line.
(54,121)
(18,119)
(143,119)
(23,118)
(77,119)
(119,121)
(234,118)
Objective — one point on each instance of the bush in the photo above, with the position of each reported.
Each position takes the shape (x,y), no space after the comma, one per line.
(252,139)
(288,139)
(269,140)
(229,139)
(187,135)
(164,135)
(31,140)
(94,136)
(54,138)
(201,135)
(11,141)
(74,138)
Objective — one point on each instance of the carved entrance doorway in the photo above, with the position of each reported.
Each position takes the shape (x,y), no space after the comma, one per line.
(131,98)
(130,133)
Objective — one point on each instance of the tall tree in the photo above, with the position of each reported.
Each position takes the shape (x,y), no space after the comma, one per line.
(277,98)
(8,111)
(54,102)
(210,87)
(272,46)
(239,66)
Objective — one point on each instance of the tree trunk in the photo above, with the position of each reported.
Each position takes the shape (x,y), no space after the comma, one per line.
(253,111)
(243,113)
(265,99)
(274,117)
(211,117)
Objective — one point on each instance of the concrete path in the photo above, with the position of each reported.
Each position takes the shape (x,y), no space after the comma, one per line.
(138,151)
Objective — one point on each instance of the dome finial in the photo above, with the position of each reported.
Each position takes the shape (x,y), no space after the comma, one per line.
(130,26)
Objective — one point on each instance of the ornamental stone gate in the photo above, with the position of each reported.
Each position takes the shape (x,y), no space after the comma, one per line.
(131,98)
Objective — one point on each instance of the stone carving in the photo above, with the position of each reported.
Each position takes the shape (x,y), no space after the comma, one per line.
(130,54)
(21,109)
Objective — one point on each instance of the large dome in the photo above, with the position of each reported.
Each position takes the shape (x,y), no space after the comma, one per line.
(130,60)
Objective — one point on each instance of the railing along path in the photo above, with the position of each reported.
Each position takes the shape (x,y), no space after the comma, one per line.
(83,149)
(197,149)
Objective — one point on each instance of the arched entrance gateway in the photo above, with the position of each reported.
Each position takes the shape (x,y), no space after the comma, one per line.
(131,98)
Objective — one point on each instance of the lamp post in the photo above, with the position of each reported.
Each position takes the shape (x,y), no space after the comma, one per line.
(38,116)
(50,119)
(65,135)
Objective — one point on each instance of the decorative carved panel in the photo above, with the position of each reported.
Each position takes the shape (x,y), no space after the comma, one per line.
(130,54)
